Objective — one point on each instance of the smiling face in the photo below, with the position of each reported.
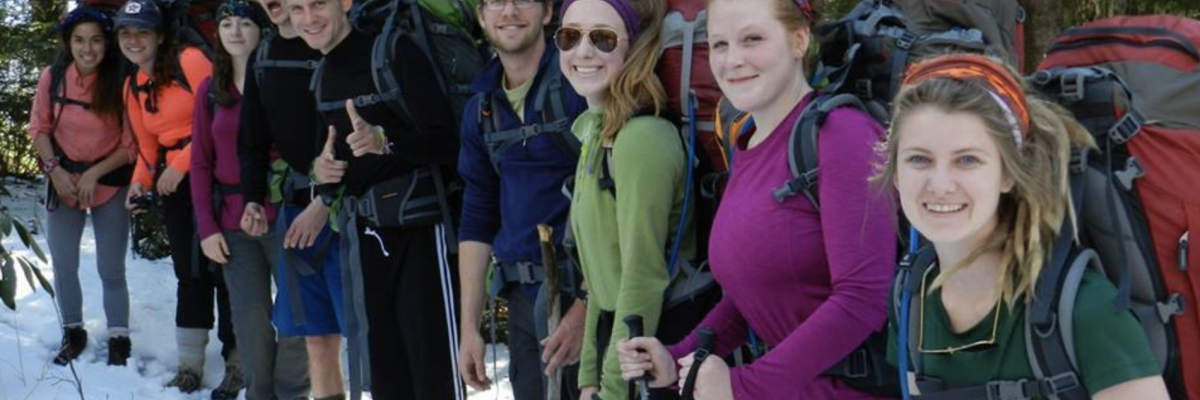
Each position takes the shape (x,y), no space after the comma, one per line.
(239,36)
(321,23)
(139,46)
(755,59)
(949,174)
(276,10)
(515,30)
(590,70)
(88,46)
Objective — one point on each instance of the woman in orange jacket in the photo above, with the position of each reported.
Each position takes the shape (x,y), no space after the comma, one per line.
(159,102)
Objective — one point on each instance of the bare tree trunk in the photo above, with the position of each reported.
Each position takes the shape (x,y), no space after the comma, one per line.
(1042,24)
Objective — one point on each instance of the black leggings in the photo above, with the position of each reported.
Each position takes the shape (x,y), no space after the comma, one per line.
(197,282)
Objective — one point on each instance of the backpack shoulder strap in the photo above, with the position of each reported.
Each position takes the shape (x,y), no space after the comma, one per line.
(802,145)
(58,89)
(211,97)
(730,121)
(383,53)
(261,53)
(263,60)
(1048,332)
(908,281)
(550,101)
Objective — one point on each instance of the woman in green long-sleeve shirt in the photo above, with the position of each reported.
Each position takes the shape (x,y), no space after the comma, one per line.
(629,183)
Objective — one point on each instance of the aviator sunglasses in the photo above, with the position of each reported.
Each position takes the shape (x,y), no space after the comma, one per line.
(603,39)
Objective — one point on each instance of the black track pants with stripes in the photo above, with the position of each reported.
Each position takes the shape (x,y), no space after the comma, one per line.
(410,287)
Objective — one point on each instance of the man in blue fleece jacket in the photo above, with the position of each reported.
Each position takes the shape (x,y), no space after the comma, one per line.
(517,151)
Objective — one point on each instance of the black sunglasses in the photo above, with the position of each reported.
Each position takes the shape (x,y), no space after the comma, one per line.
(603,39)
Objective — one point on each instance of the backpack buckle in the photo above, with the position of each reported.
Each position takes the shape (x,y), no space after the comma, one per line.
(1078,163)
(1061,383)
(1126,128)
(1072,86)
(1006,390)
(906,40)
(856,365)
(1133,170)
(1173,307)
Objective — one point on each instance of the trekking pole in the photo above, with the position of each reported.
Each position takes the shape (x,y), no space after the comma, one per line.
(708,341)
(553,303)
(634,322)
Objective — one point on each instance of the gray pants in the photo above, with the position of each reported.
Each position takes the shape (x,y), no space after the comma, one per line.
(526,329)
(110,223)
(273,368)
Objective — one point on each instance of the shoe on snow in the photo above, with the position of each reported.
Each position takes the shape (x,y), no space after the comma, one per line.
(73,342)
(187,381)
(230,385)
(118,350)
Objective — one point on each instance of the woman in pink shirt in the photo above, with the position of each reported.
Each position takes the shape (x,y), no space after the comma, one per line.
(85,152)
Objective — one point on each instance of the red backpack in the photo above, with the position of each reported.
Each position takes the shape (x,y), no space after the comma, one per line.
(685,73)
(1133,83)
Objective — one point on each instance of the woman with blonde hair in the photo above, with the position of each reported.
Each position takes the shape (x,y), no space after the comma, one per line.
(982,172)
(629,184)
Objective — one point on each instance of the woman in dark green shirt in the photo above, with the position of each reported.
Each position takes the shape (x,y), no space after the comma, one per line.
(981,172)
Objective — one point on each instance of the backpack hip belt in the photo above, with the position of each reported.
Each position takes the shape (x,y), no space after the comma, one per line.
(395,204)
(160,163)
(533,272)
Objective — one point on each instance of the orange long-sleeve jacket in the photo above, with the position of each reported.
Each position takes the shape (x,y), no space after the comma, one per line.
(173,121)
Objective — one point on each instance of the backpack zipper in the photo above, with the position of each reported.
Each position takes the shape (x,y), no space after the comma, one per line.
(1183,252)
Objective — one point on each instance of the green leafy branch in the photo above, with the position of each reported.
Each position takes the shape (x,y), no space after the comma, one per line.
(9,261)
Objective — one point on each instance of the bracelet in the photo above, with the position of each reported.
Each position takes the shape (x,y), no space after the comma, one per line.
(382,136)
(50,165)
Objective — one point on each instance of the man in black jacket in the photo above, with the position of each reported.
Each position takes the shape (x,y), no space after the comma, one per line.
(279,114)
(392,172)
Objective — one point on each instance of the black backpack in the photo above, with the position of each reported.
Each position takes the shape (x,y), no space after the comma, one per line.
(456,54)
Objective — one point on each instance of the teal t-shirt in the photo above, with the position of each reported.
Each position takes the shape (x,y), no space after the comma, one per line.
(1110,346)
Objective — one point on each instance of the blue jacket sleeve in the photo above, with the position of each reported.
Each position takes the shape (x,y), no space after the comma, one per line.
(481,196)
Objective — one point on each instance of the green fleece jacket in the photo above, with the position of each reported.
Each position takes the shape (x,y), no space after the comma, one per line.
(622,241)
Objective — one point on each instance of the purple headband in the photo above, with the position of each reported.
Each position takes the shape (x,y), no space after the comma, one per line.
(805,8)
(628,14)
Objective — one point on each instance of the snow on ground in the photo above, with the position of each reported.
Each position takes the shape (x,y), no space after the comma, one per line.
(30,337)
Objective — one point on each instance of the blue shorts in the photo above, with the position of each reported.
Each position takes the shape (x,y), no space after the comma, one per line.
(320,293)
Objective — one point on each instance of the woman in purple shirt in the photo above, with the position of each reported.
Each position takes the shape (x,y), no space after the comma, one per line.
(274,368)
(811,283)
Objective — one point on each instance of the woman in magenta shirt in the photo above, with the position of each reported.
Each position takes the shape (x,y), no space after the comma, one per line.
(811,283)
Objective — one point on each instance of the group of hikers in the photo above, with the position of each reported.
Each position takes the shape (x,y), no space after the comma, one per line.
(331,188)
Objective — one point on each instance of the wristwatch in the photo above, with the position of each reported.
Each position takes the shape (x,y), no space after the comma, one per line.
(327,199)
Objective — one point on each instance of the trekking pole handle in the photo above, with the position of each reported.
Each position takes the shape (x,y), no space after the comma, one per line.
(634,323)
(707,342)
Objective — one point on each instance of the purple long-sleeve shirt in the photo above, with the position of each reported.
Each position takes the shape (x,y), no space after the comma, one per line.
(811,284)
(214,160)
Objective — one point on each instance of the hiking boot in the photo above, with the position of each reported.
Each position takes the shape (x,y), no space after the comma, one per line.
(118,350)
(230,385)
(73,342)
(186,380)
